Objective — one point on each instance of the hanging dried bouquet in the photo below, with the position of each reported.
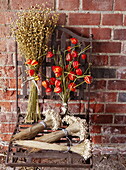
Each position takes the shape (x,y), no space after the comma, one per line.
(32,31)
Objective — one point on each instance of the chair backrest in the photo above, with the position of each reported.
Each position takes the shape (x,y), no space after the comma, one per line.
(59,38)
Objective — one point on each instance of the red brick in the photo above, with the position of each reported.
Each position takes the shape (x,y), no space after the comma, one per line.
(106,138)
(101,33)
(118,60)
(120,119)
(7,95)
(4,83)
(98,84)
(3,149)
(121,73)
(3,4)
(5,137)
(53,105)
(120,5)
(98,5)
(5,106)
(3,47)
(6,59)
(115,108)
(96,139)
(11,45)
(123,48)
(85,32)
(2,18)
(62,19)
(120,34)
(122,97)
(7,71)
(103,96)
(96,108)
(84,19)
(117,85)
(106,47)
(69,5)
(124,20)
(76,108)
(99,60)
(112,19)
(22,105)
(12,83)
(4,31)
(22,4)
(114,130)
(95,129)
(101,119)
(7,128)
(80,31)
(118,139)
(8,117)
(7,17)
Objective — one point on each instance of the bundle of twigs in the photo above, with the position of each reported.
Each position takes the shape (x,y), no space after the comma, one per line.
(52,119)
(74,129)
(83,149)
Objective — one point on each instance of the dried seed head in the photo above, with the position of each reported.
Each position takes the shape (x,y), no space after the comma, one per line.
(33,29)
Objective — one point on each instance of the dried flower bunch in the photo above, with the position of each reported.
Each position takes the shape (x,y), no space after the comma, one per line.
(32,31)
(68,71)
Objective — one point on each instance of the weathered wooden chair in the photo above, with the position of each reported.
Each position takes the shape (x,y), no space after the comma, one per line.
(18,156)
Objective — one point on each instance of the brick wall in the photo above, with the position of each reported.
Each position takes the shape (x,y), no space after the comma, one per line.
(107,21)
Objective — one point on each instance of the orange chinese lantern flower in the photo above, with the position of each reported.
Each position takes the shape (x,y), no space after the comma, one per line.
(57,89)
(75,64)
(57,69)
(58,74)
(57,83)
(88,79)
(28,61)
(79,72)
(49,54)
(83,56)
(45,84)
(48,89)
(71,86)
(73,40)
(69,57)
(71,75)
(52,80)
(34,63)
(31,72)
(74,54)
(69,48)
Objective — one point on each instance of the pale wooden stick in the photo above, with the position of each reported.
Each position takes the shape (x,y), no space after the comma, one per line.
(31,132)
(83,149)
(54,136)
(77,127)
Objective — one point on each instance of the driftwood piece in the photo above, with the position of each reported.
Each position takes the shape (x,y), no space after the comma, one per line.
(83,149)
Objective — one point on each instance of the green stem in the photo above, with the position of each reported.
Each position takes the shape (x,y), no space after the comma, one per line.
(73,47)
(86,48)
(79,84)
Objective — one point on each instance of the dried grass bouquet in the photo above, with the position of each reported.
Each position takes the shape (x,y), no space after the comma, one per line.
(32,31)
